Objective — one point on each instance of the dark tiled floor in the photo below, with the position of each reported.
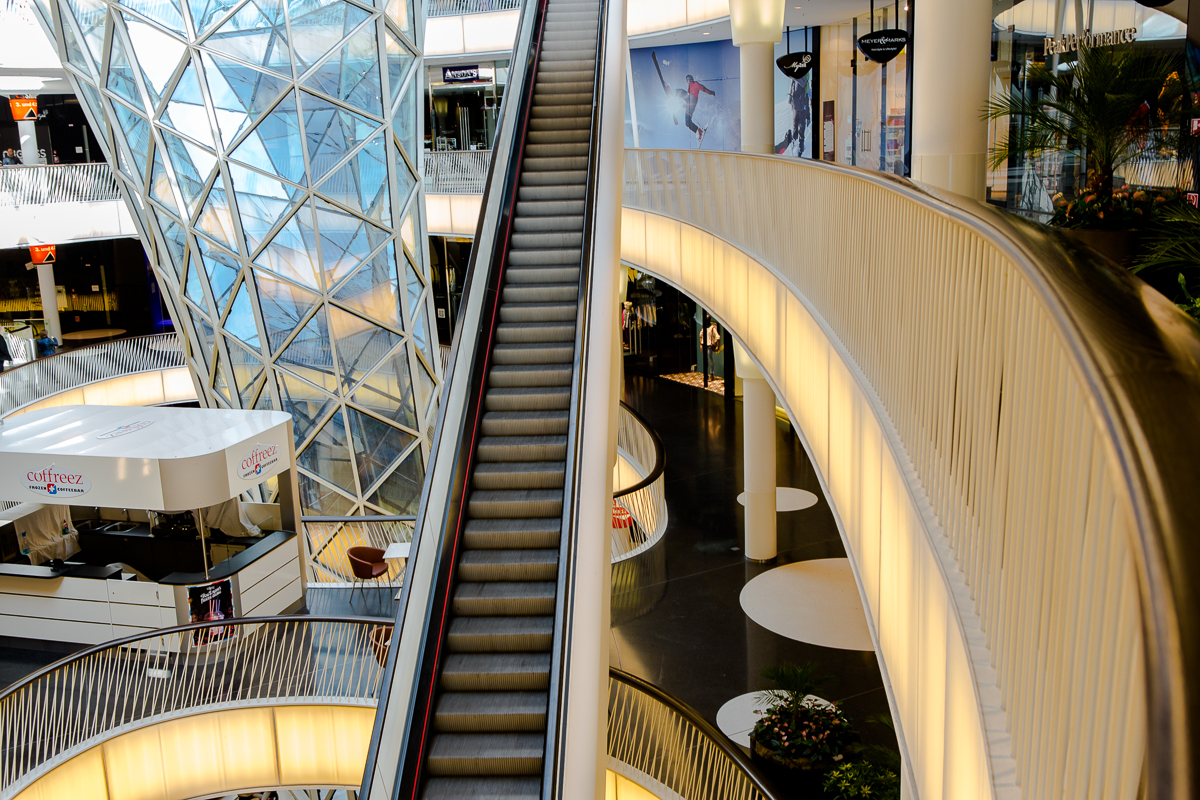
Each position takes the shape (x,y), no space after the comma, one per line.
(367,602)
(22,657)
(676,616)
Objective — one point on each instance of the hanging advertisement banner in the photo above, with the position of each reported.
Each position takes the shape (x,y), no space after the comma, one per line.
(210,602)
(883,45)
(42,253)
(795,65)
(23,108)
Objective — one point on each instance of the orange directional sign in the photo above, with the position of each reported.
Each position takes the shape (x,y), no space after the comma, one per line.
(23,107)
(42,253)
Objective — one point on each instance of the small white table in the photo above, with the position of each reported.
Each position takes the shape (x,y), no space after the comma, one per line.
(397,550)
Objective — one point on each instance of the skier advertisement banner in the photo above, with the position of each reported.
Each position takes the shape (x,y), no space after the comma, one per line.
(793,109)
(686,97)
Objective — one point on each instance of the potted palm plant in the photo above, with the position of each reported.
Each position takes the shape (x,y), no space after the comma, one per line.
(799,736)
(1109,107)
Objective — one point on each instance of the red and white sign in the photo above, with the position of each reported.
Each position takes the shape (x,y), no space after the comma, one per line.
(621,516)
(258,462)
(23,108)
(53,482)
(42,253)
(1194,198)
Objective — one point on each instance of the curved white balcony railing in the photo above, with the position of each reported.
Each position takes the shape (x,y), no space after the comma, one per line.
(639,445)
(1002,425)
(57,183)
(44,378)
(450,8)
(456,171)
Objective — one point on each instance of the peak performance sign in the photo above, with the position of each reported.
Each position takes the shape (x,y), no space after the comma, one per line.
(1070,43)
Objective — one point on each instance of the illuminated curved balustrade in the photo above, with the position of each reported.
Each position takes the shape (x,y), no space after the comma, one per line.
(641,447)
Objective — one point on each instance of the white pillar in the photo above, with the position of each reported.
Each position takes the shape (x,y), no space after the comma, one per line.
(26,129)
(758,100)
(49,301)
(757,25)
(951,51)
(758,459)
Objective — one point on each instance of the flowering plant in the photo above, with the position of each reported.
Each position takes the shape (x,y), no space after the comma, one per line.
(812,733)
(1125,209)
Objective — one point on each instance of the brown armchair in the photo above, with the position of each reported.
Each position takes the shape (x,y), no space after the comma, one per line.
(367,564)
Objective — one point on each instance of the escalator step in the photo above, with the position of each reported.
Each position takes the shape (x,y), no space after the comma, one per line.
(515,504)
(539,312)
(522,448)
(500,634)
(524,475)
(464,754)
(525,376)
(481,788)
(491,712)
(537,332)
(535,352)
(528,599)
(509,565)
(525,423)
(512,533)
(562,239)
(527,221)
(496,672)
(544,274)
(550,398)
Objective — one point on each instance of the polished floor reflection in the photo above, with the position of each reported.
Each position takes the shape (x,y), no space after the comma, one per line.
(676,617)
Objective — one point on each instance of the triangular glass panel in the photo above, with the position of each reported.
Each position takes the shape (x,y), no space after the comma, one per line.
(292,253)
(361,345)
(245,369)
(377,446)
(351,74)
(401,13)
(401,493)
(221,380)
(361,183)
(307,405)
(330,132)
(318,500)
(421,335)
(373,291)
(283,306)
(240,321)
(328,454)
(405,121)
(261,202)
(120,73)
(204,330)
(239,94)
(160,184)
(206,12)
(137,135)
(264,401)
(257,35)
(216,218)
(92,99)
(90,16)
(164,12)
(415,286)
(426,386)
(185,110)
(192,164)
(157,53)
(310,355)
(274,145)
(74,51)
(388,391)
(399,59)
(222,271)
(175,237)
(193,290)
(317,27)
(405,180)
(345,240)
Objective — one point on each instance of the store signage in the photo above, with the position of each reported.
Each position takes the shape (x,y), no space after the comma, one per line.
(1194,198)
(1195,126)
(1154,3)
(621,518)
(795,65)
(53,482)
(1070,43)
(211,602)
(258,461)
(42,253)
(23,108)
(460,74)
(122,430)
(882,46)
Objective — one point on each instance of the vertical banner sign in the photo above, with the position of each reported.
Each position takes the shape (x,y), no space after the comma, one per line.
(23,108)
(827,131)
(42,253)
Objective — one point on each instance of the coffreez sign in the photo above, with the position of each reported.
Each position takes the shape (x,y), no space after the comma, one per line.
(258,461)
(51,482)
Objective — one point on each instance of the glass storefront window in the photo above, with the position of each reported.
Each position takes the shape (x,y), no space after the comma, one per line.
(463,103)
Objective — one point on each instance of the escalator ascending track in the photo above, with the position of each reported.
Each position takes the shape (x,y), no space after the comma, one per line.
(487,734)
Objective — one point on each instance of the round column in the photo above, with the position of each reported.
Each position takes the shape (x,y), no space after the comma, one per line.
(757,26)
(758,459)
(27,131)
(951,52)
(49,301)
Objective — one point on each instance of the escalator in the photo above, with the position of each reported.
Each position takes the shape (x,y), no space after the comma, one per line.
(485,694)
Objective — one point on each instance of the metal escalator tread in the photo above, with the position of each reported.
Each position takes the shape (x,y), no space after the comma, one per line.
(488,737)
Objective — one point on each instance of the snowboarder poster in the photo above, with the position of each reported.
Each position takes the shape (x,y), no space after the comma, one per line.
(686,97)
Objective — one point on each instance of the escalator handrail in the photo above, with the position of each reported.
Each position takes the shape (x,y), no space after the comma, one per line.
(552,765)
(490,268)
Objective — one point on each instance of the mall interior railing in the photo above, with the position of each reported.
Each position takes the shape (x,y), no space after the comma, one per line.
(1035,397)
(329,539)
(124,684)
(641,446)
(456,171)
(663,745)
(71,369)
(452,8)
(57,183)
